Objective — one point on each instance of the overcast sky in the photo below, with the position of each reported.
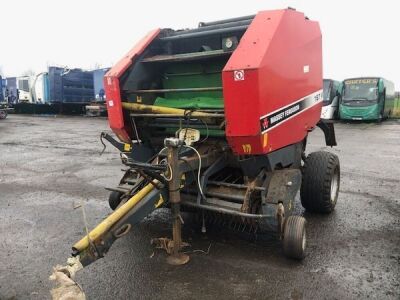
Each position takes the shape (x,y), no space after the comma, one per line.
(360,38)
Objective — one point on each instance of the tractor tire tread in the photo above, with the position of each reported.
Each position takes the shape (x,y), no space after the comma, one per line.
(315,190)
(293,237)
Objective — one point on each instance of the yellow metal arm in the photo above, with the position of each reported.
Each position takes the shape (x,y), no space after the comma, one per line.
(112,219)
(153,109)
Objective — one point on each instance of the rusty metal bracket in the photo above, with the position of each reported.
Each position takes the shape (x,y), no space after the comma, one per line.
(175,258)
(278,197)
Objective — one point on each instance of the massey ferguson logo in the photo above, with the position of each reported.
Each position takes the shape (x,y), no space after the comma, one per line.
(264,124)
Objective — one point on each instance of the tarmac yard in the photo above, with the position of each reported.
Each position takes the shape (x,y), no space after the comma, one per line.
(49,165)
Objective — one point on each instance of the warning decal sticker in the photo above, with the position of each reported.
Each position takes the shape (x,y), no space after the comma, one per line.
(238,75)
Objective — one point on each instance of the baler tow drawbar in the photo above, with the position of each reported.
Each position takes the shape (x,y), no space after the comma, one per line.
(152,194)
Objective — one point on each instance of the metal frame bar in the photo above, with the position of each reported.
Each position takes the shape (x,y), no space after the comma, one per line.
(225,210)
(233,185)
(173,116)
(186,56)
(217,25)
(202,89)
(204,33)
(225,21)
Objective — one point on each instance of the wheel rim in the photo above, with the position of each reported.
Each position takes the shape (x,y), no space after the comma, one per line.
(334,185)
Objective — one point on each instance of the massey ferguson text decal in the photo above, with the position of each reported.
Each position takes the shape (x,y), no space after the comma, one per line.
(287,112)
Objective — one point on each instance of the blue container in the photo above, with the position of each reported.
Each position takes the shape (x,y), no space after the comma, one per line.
(1,90)
(70,85)
(55,86)
(77,86)
(11,91)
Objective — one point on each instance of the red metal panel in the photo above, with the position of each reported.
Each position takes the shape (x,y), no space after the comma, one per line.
(113,91)
(280,56)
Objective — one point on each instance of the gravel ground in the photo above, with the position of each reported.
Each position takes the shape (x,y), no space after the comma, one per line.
(50,164)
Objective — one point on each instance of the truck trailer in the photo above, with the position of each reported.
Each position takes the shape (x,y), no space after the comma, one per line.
(24,84)
(40,91)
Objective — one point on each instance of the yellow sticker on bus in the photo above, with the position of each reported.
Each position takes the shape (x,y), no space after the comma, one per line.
(361,81)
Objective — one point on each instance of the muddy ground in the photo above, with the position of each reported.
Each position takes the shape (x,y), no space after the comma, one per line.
(50,164)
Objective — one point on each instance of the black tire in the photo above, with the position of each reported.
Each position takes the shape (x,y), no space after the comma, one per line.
(294,237)
(114,199)
(321,181)
(380,118)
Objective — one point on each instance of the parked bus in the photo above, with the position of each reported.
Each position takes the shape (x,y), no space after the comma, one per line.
(367,98)
(331,99)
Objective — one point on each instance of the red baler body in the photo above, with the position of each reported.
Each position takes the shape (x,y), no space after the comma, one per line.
(272,83)
(281,57)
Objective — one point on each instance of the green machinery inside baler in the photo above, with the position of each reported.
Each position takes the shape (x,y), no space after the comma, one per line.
(180,76)
(192,86)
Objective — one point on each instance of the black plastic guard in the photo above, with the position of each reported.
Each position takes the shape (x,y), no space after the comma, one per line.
(329,132)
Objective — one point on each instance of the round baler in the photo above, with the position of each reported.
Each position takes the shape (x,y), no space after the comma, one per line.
(214,120)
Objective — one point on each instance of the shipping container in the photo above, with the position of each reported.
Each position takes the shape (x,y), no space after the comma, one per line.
(70,85)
